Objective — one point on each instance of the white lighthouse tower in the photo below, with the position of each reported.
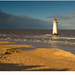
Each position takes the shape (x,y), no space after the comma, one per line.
(55,27)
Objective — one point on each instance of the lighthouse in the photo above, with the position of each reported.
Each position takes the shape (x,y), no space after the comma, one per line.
(55,27)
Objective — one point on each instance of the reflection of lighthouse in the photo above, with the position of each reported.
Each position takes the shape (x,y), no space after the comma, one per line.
(55,27)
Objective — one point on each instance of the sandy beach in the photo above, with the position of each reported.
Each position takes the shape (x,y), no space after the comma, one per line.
(40,59)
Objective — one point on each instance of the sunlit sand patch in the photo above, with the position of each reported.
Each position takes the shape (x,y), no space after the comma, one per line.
(64,53)
(5,42)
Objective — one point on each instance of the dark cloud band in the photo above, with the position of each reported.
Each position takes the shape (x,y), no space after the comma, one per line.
(9,21)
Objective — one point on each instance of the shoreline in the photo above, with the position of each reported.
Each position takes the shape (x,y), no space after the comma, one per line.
(40,59)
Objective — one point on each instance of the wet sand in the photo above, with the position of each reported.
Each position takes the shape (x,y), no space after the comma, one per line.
(4,45)
(5,42)
(40,59)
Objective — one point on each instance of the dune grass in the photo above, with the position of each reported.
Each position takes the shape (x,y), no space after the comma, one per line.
(10,51)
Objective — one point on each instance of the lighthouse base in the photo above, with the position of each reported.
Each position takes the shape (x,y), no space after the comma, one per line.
(55,35)
(50,35)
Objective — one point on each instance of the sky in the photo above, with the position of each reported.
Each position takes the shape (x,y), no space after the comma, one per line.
(37,14)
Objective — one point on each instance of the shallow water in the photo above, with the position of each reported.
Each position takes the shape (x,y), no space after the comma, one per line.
(38,39)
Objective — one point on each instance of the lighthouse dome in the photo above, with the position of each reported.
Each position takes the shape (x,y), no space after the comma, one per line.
(55,19)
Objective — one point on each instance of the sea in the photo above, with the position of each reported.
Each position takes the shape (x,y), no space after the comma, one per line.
(39,39)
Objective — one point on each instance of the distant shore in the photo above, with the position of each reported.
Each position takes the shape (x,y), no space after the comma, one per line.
(40,59)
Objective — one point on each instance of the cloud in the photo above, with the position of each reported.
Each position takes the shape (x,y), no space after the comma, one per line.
(9,21)
(65,21)
(70,15)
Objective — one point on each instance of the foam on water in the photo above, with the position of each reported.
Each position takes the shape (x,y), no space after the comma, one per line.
(41,38)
